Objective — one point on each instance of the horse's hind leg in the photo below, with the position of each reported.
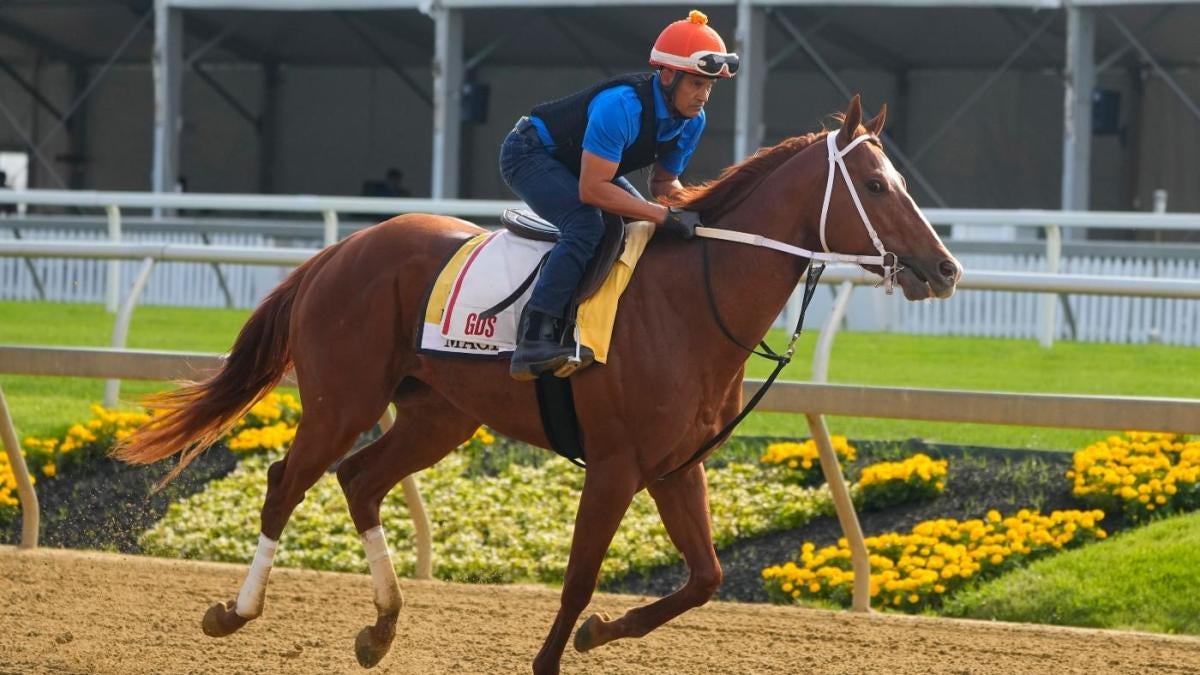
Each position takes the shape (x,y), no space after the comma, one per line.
(426,429)
(326,432)
(682,502)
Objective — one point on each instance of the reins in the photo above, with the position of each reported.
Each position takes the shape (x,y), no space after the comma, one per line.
(817,259)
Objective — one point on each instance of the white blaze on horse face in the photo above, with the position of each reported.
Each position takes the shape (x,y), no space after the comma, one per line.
(900,188)
(254,590)
(386,588)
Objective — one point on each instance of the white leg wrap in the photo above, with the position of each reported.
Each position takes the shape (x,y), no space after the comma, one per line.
(383,575)
(254,590)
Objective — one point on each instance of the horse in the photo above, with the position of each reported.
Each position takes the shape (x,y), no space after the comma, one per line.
(346,321)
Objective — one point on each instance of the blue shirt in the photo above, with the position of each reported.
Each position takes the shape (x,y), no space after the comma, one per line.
(614,121)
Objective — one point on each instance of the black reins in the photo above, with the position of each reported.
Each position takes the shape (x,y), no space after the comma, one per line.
(781,360)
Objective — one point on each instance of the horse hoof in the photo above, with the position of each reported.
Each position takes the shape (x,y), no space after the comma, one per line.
(369,649)
(588,635)
(221,619)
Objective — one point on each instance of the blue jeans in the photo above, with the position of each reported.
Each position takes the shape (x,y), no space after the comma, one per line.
(552,191)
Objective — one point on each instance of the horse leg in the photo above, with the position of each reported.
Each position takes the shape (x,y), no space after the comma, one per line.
(323,436)
(426,429)
(607,491)
(682,502)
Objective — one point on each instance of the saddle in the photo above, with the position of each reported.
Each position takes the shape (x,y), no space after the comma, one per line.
(529,225)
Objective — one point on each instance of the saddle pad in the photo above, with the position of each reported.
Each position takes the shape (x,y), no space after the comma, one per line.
(488,268)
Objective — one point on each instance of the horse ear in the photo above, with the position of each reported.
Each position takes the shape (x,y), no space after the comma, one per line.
(852,120)
(875,124)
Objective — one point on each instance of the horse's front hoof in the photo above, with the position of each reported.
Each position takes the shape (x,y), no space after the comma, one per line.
(221,619)
(373,642)
(588,636)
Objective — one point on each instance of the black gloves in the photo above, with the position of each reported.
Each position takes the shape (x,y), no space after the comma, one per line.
(681,223)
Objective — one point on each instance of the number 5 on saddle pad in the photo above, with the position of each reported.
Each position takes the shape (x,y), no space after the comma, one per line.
(488,269)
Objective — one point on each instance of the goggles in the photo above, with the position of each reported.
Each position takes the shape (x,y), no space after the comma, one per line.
(713,64)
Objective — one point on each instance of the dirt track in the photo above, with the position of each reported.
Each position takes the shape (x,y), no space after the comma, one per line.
(72,612)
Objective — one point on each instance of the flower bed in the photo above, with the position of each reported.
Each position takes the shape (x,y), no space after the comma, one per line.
(914,571)
(514,525)
(800,461)
(1139,474)
(913,479)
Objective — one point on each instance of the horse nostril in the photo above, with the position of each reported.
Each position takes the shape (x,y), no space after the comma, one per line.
(949,269)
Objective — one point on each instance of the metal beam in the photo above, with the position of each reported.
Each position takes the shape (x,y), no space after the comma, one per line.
(168,95)
(213,42)
(227,96)
(1115,56)
(974,97)
(30,89)
(28,141)
(447,99)
(1079,80)
(1167,79)
(853,42)
(836,81)
(269,118)
(792,47)
(47,46)
(751,43)
(95,81)
(574,39)
(384,58)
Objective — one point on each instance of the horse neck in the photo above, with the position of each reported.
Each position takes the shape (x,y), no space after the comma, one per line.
(751,285)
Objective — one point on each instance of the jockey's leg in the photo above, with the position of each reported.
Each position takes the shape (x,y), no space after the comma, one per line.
(550,189)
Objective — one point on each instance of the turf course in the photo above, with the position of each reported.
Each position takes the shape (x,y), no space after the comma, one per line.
(1138,580)
(43,406)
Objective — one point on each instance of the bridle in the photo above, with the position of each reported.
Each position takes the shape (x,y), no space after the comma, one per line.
(886,260)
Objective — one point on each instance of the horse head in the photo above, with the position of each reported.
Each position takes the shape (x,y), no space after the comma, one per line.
(888,222)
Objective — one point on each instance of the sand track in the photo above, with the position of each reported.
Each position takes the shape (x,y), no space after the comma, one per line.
(74,612)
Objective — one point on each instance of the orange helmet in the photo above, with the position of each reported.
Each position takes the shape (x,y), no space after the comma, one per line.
(692,46)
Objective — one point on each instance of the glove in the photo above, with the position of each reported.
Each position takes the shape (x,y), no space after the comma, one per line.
(681,222)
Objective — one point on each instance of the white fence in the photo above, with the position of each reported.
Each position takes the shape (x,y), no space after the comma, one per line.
(1096,318)
(976,313)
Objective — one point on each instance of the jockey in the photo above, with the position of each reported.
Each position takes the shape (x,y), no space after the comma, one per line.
(568,158)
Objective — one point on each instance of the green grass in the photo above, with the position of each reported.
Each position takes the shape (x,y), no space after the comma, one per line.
(1141,579)
(42,406)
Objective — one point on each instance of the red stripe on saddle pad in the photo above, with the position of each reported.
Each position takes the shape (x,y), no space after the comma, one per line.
(462,274)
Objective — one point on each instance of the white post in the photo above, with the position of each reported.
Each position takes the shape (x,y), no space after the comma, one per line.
(120,335)
(416,509)
(751,82)
(331,227)
(859,558)
(168,96)
(447,99)
(113,290)
(29,500)
(1049,301)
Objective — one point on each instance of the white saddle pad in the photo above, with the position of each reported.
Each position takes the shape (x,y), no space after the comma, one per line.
(495,269)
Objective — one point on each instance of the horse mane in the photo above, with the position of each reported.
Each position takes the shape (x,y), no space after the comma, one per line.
(732,186)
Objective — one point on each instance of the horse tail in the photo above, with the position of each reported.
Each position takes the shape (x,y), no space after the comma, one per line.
(190,419)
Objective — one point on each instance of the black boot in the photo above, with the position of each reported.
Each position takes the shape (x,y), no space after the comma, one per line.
(539,350)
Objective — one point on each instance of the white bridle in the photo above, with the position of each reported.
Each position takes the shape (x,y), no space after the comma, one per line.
(885,259)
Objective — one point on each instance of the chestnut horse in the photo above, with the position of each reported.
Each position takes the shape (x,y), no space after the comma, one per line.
(347,321)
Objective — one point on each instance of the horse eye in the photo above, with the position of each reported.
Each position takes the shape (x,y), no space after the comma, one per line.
(875,185)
